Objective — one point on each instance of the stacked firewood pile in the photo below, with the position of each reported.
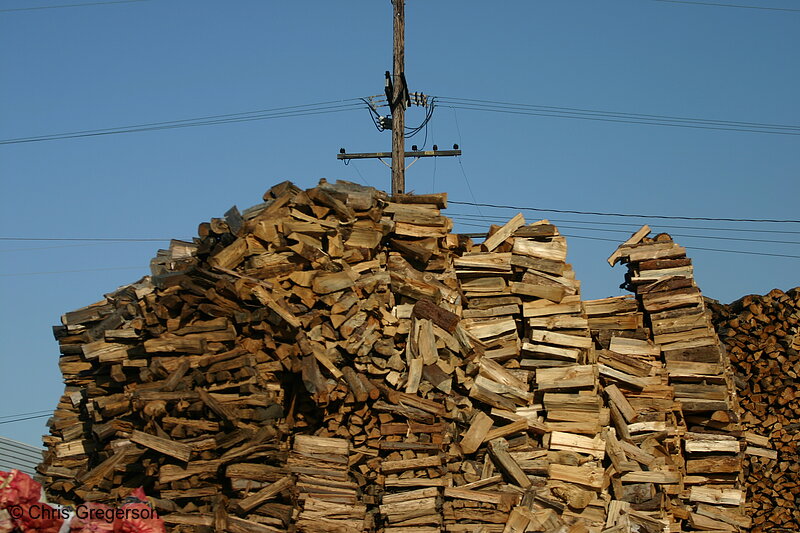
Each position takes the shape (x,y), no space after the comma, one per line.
(336,360)
(699,373)
(762,335)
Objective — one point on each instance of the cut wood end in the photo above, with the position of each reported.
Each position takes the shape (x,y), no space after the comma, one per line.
(634,239)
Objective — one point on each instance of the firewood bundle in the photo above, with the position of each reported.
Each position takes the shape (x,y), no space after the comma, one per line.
(335,359)
(762,335)
(327,497)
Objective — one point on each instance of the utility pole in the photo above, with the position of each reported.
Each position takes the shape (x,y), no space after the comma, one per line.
(398,97)
(398,100)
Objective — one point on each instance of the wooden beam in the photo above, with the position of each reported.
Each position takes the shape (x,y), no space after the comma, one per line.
(386,155)
(398,103)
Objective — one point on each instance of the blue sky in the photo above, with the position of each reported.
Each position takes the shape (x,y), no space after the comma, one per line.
(102,66)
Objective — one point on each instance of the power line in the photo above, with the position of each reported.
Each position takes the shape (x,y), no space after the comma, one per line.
(175,126)
(631,215)
(747,252)
(728,5)
(428,114)
(495,109)
(27,414)
(360,175)
(688,236)
(615,116)
(17,274)
(621,114)
(455,216)
(57,246)
(634,225)
(590,237)
(22,419)
(335,106)
(466,180)
(460,165)
(712,237)
(94,239)
(71,5)
(744,252)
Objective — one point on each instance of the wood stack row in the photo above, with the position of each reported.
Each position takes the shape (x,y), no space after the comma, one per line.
(537,415)
(336,360)
(762,336)
(643,442)
(699,373)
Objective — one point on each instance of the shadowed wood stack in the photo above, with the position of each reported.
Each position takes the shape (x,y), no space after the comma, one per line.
(335,359)
(762,335)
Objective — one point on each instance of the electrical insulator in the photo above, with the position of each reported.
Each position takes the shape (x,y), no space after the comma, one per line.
(385,123)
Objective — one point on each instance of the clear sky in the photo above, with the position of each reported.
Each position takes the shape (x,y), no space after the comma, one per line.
(122,64)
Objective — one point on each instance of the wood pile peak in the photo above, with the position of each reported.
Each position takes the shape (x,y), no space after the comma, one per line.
(335,359)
